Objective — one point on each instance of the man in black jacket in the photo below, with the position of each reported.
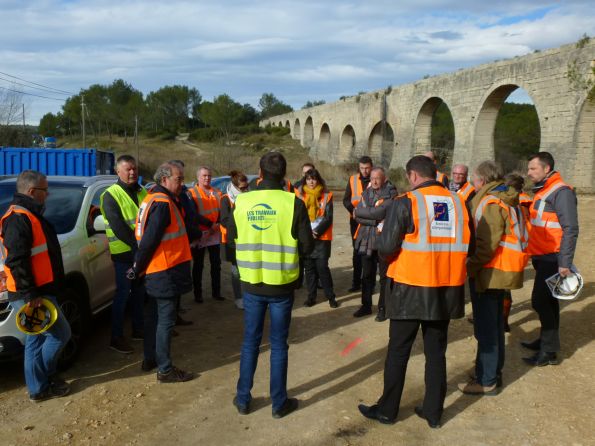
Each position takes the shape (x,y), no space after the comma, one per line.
(31,275)
(425,238)
(266,259)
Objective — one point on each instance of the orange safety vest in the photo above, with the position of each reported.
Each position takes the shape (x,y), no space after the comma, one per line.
(324,200)
(223,228)
(287,187)
(174,248)
(525,203)
(545,233)
(435,254)
(440,176)
(511,254)
(356,189)
(41,266)
(208,203)
(465,190)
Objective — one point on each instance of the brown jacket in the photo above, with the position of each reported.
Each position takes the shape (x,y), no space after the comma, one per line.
(488,232)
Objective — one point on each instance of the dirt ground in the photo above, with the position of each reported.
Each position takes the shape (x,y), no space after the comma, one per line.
(114,403)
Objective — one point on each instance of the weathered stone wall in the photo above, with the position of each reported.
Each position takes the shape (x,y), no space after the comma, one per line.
(344,130)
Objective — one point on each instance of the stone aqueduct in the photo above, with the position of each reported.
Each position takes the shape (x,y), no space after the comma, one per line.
(394,124)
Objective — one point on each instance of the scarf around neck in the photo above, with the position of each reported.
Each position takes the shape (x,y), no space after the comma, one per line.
(232,192)
(311,197)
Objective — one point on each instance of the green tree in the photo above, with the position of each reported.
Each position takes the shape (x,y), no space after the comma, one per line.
(49,125)
(173,107)
(271,106)
(223,114)
(310,104)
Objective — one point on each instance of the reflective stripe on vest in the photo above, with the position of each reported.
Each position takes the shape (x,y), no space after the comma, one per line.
(324,200)
(174,248)
(41,265)
(128,209)
(356,190)
(545,230)
(266,252)
(208,203)
(511,254)
(465,191)
(435,254)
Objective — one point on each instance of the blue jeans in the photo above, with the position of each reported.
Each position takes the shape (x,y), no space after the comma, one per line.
(488,326)
(127,290)
(160,318)
(42,351)
(255,308)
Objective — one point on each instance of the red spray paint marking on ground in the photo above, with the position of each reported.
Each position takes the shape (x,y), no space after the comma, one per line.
(351,346)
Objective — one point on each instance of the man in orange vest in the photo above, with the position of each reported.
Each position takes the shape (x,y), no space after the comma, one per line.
(552,243)
(163,258)
(440,177)
(425,238)
(460,184)
(497,265)
(34,270)
(208,202)
(356,185)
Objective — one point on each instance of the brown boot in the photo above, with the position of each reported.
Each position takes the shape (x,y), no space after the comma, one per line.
(474,388)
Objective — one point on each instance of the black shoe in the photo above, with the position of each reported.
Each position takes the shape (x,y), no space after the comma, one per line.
(121,346)
(242,409)
(534,345)
(148,365)
(175,375)
(381,316)
(333,303)
(354,288)
(420,413)
(138,335)
(181,322)
(218,297)
(371,412)
(288,406)
(309,302)
(541,359)
(53,391)
(362,311)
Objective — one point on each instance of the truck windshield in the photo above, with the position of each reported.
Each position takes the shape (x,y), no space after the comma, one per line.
(61,207)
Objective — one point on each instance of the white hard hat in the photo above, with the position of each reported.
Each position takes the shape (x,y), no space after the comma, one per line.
(565,288)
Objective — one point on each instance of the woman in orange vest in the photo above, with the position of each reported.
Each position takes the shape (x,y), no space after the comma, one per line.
(496,265)
(237,185)
(319,203)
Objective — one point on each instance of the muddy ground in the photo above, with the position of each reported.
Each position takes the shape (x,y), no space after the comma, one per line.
(114,403)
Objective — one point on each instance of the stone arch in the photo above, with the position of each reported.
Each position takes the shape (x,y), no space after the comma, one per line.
(422,131)
(381,144)
(280,124)
(346,144)
(297,130)
(584,142)
(308,132)
(485,122)
(324,140)
(287,124)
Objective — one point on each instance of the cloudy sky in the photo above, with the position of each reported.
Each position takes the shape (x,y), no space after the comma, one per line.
(300,51)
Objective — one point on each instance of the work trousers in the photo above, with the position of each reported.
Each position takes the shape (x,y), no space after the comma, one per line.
(402,334)
(546,305)
(370,265)
(160,319)
(198,254)
(356,259)
(318,269)
(128,292)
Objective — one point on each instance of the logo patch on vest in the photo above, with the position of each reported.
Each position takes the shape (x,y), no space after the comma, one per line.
(441,212)
(261,216)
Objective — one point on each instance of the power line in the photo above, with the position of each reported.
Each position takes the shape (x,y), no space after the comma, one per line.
(39,85)
(30,86)
(31,94)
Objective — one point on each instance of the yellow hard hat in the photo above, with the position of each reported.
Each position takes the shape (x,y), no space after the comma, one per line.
(35,320)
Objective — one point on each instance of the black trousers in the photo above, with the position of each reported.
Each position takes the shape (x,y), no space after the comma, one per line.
(356,259)
(546,306)
(198,254)
(318,269)
(402,335)
(370,265)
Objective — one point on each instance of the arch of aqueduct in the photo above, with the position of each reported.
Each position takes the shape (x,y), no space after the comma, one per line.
(394,124)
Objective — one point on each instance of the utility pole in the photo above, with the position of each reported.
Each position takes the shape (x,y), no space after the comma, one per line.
(23,117)
(83,113)
(136,139)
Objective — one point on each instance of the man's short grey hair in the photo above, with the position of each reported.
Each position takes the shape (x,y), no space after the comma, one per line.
(178,163)
(28,179)
(489,171)
(465,167)
(203,168)
(379,169)
(164,171)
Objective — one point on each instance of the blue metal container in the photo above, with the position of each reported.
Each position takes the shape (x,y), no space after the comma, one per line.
(83,162)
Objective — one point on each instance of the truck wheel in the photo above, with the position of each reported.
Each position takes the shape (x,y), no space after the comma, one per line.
(77,315)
